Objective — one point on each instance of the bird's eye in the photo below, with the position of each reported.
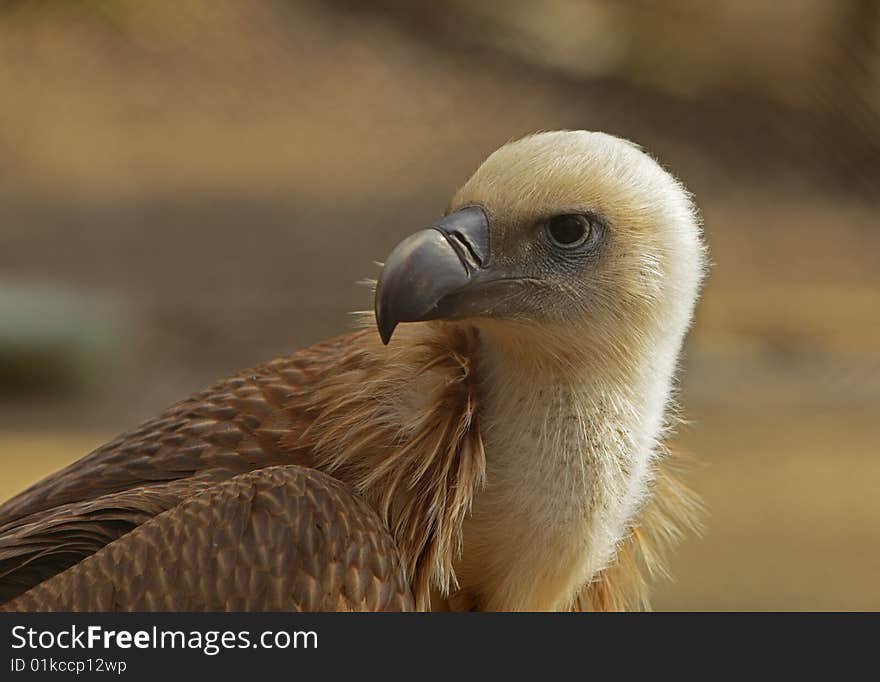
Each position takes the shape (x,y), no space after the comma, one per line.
(569,231)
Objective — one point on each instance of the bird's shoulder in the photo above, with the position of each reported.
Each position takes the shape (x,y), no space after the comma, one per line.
(235,425)
(232,427)
(396,424)
(278,538)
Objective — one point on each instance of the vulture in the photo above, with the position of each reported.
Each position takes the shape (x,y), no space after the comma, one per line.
(498,445)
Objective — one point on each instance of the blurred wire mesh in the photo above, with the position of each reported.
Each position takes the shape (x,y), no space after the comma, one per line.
(190,188)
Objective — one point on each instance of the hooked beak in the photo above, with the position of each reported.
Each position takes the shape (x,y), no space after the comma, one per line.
(434,273)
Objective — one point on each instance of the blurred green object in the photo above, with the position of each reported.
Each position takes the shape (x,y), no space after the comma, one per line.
(54,340)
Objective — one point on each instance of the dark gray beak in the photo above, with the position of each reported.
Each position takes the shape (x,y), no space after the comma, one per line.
(429,271)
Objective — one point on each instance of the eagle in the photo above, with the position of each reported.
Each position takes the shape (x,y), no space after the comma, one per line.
(498,445)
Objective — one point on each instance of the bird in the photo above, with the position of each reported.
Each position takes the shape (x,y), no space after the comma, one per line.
(501,444)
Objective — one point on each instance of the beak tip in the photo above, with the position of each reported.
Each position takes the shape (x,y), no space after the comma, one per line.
(385,332)
(385,324)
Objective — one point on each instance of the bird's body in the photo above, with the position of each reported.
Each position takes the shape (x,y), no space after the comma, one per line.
(501,453)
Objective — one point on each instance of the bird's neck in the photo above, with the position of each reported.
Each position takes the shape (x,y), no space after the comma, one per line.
(569,444)
(464,443)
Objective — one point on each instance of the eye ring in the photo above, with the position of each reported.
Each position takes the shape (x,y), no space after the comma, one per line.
(569,231)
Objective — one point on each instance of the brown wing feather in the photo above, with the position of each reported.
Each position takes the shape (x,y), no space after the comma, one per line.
(281,538)
(231,428)
(335,407)
(47,542)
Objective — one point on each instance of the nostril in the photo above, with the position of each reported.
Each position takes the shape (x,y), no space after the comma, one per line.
(465,251)
(462,241)
(467,232)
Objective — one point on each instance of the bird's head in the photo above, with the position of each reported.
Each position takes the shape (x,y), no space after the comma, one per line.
(562,239)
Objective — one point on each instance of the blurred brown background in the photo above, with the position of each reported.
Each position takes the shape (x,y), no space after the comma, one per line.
(187,189)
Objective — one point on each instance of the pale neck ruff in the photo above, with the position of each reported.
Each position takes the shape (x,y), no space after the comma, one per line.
(568,454)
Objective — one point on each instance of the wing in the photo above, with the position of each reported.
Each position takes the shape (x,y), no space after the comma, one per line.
(233,427)
(283,538)
(47,543)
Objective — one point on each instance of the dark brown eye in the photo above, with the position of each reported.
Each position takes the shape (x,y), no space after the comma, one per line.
(569,231)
